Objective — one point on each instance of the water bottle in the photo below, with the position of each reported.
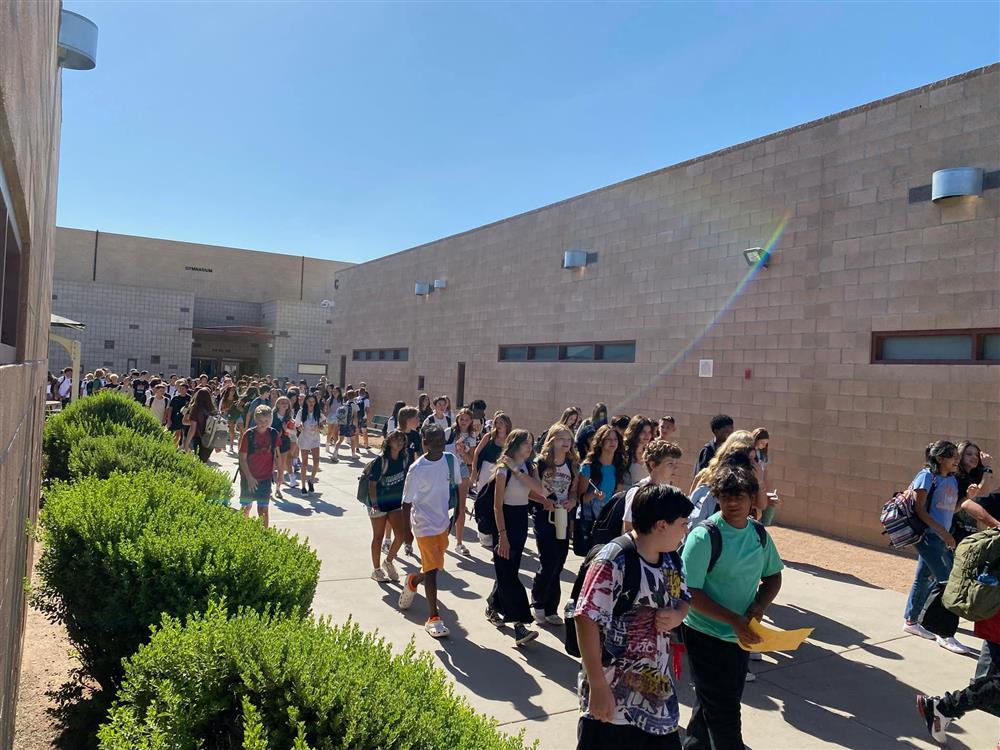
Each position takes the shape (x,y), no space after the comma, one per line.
(569,611)
(987,578)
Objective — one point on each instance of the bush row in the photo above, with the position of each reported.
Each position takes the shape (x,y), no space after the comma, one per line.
(119,552)
(260,681)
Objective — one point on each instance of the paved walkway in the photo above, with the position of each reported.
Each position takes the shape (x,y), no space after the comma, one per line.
(851,686)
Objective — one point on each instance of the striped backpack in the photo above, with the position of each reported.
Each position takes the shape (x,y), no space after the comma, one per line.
(900,521)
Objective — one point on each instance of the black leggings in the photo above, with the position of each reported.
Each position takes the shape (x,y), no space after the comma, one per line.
(551,560)
(509,597)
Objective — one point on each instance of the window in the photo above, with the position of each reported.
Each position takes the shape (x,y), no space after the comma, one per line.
(614,351)
(109,343)
(953,347)
(312,369)
(381,355)
(154,359)
(10,278)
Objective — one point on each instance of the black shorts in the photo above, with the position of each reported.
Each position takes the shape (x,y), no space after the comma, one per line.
(592,734)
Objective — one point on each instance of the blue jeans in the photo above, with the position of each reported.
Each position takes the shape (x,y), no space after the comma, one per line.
(933,565)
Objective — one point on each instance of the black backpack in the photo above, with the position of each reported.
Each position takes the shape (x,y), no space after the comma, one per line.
(482,509)
(626,598)
(715,538)
(608,525)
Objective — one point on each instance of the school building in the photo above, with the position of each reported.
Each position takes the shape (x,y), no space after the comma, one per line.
(179,307)
(873,329)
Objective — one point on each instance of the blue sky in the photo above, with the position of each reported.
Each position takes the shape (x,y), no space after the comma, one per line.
(352,130)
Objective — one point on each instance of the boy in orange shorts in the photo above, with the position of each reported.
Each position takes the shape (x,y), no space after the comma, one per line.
(427,490)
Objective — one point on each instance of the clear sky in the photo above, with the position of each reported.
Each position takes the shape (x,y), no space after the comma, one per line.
(352,130)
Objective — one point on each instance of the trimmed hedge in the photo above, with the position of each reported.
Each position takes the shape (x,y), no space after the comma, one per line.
(269,681)
(100,414)
(120,551)
(126,451)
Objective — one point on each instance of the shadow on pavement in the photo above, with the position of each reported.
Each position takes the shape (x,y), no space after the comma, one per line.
(825,698)
(830,575)
(826,630)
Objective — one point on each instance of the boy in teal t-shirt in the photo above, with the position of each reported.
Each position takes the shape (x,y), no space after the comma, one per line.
(741,585)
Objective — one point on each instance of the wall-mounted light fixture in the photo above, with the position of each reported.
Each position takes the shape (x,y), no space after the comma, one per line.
(757,256)
(421,289)
(578,259)
(440,283)
(957,182)
(77,41)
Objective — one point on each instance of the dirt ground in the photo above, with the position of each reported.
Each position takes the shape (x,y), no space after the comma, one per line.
(46,661)
(47,656)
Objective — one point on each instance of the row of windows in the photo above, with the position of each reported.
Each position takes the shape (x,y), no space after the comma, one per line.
(615,351)
(972,346)
(10,278)
(381,355)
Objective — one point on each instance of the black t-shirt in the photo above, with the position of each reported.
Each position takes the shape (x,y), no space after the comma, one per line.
(491,452)
(706,455)
(139,388)
(389,474)
(177,403)
(414,445)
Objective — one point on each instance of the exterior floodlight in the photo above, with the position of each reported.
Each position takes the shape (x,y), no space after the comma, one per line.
(422,289)
(757,256)
(574,259)
(440,283)
(326,303)
(953,183)
(77,41)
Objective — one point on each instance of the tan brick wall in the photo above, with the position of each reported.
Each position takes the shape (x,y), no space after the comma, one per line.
(30,112)
(855,257)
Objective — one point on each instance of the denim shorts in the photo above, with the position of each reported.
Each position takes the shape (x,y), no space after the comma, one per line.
(261,495)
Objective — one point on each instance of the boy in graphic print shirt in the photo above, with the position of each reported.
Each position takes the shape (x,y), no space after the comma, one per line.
(627,697)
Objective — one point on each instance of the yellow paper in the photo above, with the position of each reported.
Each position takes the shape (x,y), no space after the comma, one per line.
(776,640)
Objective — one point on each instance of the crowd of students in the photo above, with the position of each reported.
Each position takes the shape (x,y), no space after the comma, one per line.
(695,567)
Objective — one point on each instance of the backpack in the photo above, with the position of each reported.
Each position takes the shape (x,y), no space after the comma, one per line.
(965,594)
(608,525)
(363,480)
(343,414)
(482,509)
(216,432)
(361,407)
(900,521)
(452,487)
(626,598)
(715,539)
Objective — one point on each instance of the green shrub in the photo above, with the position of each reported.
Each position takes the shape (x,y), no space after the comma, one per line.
(100,414)
(128,452)
(118,552)
(269,681)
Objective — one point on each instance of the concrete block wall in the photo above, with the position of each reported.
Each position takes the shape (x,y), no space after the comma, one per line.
(216,311)
(791,348)
(302,333)
(144,323)
(30,116)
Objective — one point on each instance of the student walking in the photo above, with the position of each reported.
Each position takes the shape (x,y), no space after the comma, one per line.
(515,479)
(557,467)
(310,421)
(722,427)
(424,407)
(662,460)
(490,449)
(602,474)
(461,441)
(347,416)
(175,415)
(935,491)
(364,403)
(284,424)
(725,597)
(667,428)
(257,455)
(64,387)
(589,427)
(229,405)
(386,479)
(440,415)
(331,403)
(627,695)
(160,404)
(638,435)
(426,495)
(196,421)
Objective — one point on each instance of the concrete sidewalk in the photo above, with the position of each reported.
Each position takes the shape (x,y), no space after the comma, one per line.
(852,685)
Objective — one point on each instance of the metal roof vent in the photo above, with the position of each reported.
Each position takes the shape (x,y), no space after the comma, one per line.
(77,41)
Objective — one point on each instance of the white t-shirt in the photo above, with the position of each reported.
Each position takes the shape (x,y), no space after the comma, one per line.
(65,386)
(426,490)
(516,491)
(443,423)
(637,472)
(159,406)
(629,496)
(560,482)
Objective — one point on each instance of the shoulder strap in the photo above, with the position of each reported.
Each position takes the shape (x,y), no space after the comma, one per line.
(715,538)
(761,532)
(451,468)
(631,578)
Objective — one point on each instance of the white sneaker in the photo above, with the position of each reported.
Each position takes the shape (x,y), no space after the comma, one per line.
(390,570)
(385,548)
(379,575)
(953,645)
(435,628)
(408,549)
(407,595)
(554,620)
(486,540)
(937,722)
(539,615)
(915,628)
(751,677)
(461,549)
